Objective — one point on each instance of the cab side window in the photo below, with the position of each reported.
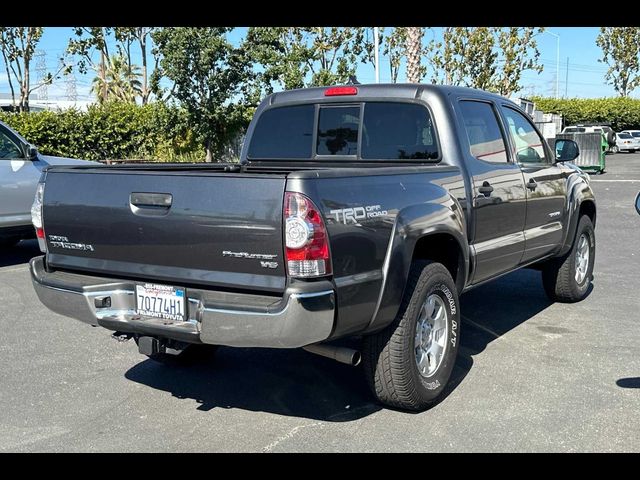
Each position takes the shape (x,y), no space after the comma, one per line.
(8,149)
(528,144)
(483,132)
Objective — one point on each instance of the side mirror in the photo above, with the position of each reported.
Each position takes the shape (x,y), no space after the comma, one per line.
(566,150)
(638,203)
(32,152)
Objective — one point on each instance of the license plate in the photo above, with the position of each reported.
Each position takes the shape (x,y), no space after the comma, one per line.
(160,301)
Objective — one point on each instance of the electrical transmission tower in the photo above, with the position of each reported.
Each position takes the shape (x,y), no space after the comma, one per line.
(41,75)
(70,89)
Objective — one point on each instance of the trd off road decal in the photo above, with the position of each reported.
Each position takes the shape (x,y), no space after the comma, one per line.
(355,214)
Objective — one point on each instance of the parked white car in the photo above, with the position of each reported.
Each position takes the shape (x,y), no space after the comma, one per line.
(20,169)
(626,142)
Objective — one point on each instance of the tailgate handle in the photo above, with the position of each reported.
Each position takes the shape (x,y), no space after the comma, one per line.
(155,200)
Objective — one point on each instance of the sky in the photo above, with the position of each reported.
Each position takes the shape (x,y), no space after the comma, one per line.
(585,77)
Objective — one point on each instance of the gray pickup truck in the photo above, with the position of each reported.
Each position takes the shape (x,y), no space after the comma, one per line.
(20,169)
(356,211)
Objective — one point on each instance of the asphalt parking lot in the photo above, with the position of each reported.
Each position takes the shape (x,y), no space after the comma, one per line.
(531,375)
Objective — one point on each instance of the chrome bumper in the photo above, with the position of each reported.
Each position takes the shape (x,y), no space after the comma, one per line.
(300,318)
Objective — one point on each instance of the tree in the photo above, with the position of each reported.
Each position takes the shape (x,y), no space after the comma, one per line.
(141,35)
(295,57)
(621,50)
(87,40)
(414,54)
(90,40)
(281,53)
(519,52)
(485,58)
(18,44)
(208,74)
(394,47)
(121,81)
(465,56)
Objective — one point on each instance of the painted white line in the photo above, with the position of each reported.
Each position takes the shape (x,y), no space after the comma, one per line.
(620,180)
(483,328)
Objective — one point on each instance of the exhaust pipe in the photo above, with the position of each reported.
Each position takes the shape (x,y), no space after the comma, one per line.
(341,354)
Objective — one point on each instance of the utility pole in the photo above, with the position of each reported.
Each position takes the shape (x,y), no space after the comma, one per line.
(566,79)
(376,57)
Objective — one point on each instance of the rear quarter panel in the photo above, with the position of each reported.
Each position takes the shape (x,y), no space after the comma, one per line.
(374,220)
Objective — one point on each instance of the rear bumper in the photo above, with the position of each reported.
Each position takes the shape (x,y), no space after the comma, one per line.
(305,314)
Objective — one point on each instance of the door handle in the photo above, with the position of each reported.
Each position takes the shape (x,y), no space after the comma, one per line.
(142,200)
(485,189)
(150,204)
(532,185)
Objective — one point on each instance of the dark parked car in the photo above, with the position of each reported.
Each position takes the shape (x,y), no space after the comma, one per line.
(355,211)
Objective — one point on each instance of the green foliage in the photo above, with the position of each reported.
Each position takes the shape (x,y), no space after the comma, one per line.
(296,57)
(483,57)
(208,74)
(110,131)
(120,82)
(621,51)
(622,112)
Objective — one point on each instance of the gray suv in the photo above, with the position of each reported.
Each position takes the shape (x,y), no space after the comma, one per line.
(20,169)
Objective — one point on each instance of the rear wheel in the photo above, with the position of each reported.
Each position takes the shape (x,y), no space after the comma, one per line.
(409,363)
(567,278)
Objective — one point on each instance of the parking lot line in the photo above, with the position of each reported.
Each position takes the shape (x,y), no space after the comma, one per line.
(624,180)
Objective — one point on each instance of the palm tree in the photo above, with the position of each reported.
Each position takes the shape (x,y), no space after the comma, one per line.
(117,80)
(414,48)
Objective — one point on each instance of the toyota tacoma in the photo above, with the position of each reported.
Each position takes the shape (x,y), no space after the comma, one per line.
(355,211)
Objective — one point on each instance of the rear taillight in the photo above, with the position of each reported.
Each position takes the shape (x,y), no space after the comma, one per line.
(36,216)
(306,241)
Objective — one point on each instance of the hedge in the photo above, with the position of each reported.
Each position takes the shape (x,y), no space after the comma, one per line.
(622,113)
(110,131)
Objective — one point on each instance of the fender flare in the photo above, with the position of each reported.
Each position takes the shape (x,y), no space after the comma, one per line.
(579,192)
(412,224)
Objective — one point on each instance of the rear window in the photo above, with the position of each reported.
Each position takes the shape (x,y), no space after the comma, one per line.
(284,132)
(385,131)
(338,130)
(574,130)
(398,131)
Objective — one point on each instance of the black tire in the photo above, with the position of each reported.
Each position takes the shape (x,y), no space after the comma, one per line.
(559,275)
(389,356)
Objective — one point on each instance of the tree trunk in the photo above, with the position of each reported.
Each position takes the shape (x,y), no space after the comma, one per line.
(103,90)
(143,50)
(414,48)
(209,157)
(13,93)
(24,87)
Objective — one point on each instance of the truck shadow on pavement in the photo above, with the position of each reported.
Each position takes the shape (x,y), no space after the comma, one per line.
(21,253)
(297,383)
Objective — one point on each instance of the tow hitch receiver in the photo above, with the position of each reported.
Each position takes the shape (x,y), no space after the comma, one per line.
(149,346)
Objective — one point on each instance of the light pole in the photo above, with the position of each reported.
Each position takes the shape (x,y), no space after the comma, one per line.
(557,60)
(375,49)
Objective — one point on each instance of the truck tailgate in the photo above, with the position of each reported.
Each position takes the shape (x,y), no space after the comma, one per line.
(208,228)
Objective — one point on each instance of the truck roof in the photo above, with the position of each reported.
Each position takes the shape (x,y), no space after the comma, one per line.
(379,90)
